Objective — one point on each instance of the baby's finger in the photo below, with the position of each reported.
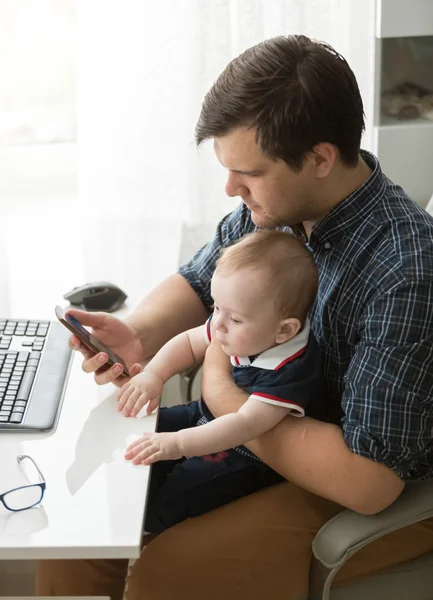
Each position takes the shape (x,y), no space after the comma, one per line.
(153,404)
(132,400)
(122,390)
(132,454)
(137,443)
(146,453)
(140,409)
(156,456)
(125,397)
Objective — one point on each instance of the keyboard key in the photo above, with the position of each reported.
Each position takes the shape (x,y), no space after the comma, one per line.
(26,386)
(16,417)
(20,404)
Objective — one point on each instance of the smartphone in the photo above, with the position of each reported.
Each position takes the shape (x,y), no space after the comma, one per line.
(89,340)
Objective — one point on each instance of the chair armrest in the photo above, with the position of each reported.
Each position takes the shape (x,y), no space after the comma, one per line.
(187,378)
(348,532)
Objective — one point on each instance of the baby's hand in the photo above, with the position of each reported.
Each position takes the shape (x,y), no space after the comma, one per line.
(152,447)
(144,388)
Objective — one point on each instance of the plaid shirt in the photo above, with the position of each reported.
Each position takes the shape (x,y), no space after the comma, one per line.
(373,318)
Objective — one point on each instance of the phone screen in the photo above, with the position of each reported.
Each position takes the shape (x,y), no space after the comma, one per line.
(88,338)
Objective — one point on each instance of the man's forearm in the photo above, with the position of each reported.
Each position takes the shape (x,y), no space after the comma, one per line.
(314,455)
(311,454)
(172,307)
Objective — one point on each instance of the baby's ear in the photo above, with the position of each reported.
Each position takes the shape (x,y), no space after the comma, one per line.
(288,329)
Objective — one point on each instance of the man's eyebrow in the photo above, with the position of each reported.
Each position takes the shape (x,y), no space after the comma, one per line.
(250,172)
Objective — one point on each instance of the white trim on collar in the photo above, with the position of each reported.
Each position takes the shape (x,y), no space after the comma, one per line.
(276,357)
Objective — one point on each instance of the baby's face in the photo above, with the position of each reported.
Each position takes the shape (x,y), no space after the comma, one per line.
(244,320)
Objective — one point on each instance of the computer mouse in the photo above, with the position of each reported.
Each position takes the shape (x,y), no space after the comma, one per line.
(100,295)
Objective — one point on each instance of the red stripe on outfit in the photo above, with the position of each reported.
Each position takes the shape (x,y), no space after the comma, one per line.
(235,358)
(208,330)
(290,358)
(282,400)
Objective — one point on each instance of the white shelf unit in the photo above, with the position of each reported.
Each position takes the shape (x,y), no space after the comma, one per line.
(404,33)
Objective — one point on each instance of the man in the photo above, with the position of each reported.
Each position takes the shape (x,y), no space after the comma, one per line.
(286,118)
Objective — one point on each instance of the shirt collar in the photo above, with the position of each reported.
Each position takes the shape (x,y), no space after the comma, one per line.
(276,357)
(348,213)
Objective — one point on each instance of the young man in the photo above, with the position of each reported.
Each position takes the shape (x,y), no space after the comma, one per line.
(286,118)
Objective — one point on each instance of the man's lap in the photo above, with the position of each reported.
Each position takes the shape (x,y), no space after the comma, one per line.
(254,547)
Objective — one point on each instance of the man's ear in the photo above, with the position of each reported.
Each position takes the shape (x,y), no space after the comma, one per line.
(324,156)
(288,329)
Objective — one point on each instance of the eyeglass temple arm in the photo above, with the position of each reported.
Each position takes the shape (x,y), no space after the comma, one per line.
(21,457)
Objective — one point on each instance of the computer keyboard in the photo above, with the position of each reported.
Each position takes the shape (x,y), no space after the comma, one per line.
(34,364)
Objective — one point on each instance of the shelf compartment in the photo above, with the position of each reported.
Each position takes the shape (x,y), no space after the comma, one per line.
(400,18)
(405,154)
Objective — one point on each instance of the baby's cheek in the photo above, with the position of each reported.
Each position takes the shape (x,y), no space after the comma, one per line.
(244,341)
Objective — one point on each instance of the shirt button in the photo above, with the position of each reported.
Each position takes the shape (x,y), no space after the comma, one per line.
(327,245)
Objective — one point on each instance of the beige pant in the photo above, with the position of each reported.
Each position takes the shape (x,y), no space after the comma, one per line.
(254,548)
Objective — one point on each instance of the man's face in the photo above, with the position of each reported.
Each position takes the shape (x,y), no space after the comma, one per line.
(274,193)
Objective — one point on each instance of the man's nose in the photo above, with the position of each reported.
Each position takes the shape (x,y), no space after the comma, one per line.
(234,187)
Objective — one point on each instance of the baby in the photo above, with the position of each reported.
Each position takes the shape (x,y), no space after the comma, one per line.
(263,288)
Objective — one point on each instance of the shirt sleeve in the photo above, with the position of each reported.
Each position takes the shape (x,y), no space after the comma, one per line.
(208,331)
(199,270)
(299,386)
(387,399)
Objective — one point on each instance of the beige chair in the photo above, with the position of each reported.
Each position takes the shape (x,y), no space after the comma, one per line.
(348,532)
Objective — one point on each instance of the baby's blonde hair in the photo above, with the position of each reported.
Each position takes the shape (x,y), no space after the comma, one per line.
(288,269)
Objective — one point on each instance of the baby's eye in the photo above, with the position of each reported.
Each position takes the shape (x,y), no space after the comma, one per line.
(215,308)
(236,321)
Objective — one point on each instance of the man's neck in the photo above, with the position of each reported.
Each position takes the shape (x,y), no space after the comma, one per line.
(341,184)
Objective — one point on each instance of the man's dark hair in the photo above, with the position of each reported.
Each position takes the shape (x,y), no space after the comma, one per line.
(296,92)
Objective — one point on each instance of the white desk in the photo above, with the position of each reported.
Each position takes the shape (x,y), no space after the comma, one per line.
(94,501)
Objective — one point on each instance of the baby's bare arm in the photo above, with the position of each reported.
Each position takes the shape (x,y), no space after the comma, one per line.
(179,353)
(252,420)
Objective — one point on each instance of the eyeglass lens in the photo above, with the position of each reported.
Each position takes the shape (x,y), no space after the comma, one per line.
(25,497)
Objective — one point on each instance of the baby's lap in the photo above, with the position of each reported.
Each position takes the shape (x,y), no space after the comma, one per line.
(182,416)
(198,474)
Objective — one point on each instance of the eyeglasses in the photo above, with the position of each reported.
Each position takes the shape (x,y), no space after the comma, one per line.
(26,496)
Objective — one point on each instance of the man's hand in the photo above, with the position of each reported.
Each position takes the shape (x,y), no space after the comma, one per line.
(216,359)
(152,447)
(118,336)
(144,388)
(220,392)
